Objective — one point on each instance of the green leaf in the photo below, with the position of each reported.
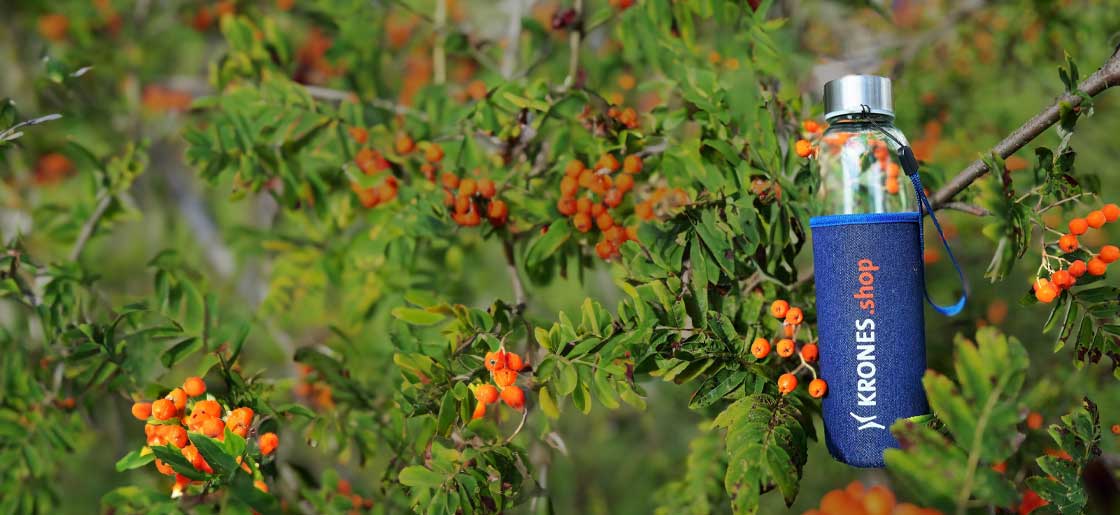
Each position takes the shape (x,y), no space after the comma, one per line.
(1079,436)
(544,246)
(417,316)
(214,452)
(180,351)
(766,444)
(420,477)
(135,459)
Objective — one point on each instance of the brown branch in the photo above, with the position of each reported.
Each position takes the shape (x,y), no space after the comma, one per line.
(514,277)
(1106,77)
(965,208)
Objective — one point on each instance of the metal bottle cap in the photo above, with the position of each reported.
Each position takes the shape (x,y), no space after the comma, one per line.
(854,94)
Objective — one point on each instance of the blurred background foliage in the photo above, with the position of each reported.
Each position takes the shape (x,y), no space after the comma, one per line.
(140,84)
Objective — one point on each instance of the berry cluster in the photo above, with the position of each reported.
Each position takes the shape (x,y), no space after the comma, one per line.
(660,200)
(856,499)
(373,164)
(587,195)
(804,147)
(1048,289)
(168,423)
(470,198)
(504,368)
(357,502)
(792,318)
(883,159)
(626,116)
(318,393)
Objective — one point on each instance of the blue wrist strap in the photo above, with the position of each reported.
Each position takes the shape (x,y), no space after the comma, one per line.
(910,166)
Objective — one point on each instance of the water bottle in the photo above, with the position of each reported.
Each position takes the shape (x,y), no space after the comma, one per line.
(867,252)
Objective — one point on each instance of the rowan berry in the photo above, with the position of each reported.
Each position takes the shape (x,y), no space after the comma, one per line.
(892,185)
(514,397)
(811,126)
(604,221)
(434,153)
(514,362)
(624,183)
(195,458)
(788,330)
(583,205)
(1062,279)
(213,427)
(582,222)
(1000,467)
(613,197)
(479,411)
(604,249)
(449,180)
(1078,226)
(1097,266)
(607,161)
(786,347)
(644,210)
(779,308)
(359,134)
(179,397)
(1077,268)
(497,211)
(1111,212)
(243,415)
(817,388)
(794,316)
(1034,420)
(1095,219)
(632,233)
(566,206)
(175,435)
(163,409)
(839,501)
(573,168)
(803,148)
(1047,293)
(760,348)
(893,171)
(1109,253)
(344,487)
(505,377)
(879,499)
(486,394)
(404,145)
(787,383)
(142,410)
(164,468)
(1068,243)
(487,188)
(467,187)
(448,198)
(597,209)
(810,352)
(586,178)
(632,164)
(569,186)
(268,443)
(207,407)
(194,386)
(495,360)
(1116,429)
(463,204)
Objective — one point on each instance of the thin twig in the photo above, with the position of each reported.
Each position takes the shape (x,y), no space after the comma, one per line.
(337,95)
(514,277)
(513,39)
(439,53)
(1104,78)
(966,208)
(91,225)
(575,38)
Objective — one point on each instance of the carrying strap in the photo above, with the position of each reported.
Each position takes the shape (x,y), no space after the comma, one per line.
(910,166)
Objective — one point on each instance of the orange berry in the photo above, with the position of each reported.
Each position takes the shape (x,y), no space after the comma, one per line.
(195,458)
(1034,420)
(607,161)
(505,377)
(786,347)
(908,509)
(1111,212)
(449,180)
(582,222)
(479,411)
(1077,268)
(1097,266)
(163,409)
(586,178)
(434,153)
(486,394)
(597,208)
(779,309)
(613,197)
(268,443)
(787,383)
(54,26)
(243,415)
(794,316)
(1109,253)
(1062,279)
(584,205)
(573,168)
(760,348)
(569,186)
(604,221)
(495,360)
(604,249)
(213,427)
(879,499)
(817,388)
(810,352)
(839,501)
(359,134)
(893,171)
(497,211)
(1078,226)
(164,468)
(811,126)
(892,185)
(566,206)
(644,210)
(514,362)
(175,435)
(260,485)
(404,145)
(207,407)
(1000,467)
(856,490)
(1116,429)
(632,233)
(467,187)
(788,330)
(624,183)
(142,410)
(1068,243)
(344,487)
(514,397)
(632,164)
(487,188)
(1046,294)
(803,148)
(1096,219)
(179,397)
(194,386)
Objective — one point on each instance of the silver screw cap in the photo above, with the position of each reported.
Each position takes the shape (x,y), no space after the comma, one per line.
(850,93)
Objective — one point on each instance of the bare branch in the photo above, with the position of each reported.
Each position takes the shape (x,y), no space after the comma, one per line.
(574,40)
(965,208)
(91,225)
(1105,77)
(439,54)
(513,39)
(514,277)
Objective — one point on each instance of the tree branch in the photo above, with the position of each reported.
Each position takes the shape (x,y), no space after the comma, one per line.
(513,39)
(439,54)
(1106,77)
(91,225)
(514,277)
(575,38)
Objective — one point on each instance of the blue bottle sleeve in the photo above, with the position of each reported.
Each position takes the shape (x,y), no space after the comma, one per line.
(870,289)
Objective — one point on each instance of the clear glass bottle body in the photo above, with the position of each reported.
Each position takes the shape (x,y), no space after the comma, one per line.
(859,166)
